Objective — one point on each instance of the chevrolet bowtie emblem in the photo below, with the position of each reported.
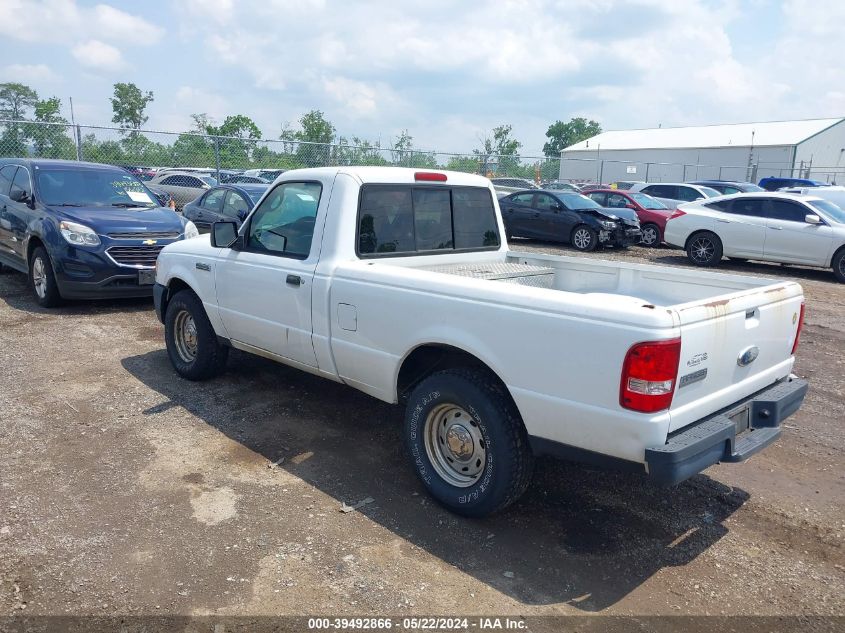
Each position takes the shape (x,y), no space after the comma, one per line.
(149,242)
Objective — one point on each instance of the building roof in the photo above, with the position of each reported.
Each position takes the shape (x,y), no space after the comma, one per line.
(732,135)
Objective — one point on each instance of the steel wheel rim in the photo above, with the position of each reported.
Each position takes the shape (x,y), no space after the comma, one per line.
(702,249)
(185,336)
(649,236)
(454,445)
(39,277)
(582,238)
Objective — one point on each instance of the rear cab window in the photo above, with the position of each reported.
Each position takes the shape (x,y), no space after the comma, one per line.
(415,219)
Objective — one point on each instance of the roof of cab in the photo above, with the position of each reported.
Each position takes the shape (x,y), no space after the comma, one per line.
(387,175)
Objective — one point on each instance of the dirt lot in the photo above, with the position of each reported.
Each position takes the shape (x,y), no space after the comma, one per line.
(128,490)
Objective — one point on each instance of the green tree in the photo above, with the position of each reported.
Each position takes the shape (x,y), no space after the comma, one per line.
(314,137)
(499,153)
(561,135)
(129,105)
(15,102)
(238,146)
(49,133)
(466,164)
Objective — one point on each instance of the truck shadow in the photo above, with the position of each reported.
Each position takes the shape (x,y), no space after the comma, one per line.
(582,537)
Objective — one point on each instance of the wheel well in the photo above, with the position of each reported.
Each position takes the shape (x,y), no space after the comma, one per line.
(837,252)
(175,285)
(427,359)
(31,245)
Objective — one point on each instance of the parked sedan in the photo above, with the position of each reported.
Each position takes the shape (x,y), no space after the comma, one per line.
(651,212)
(673,193)
(223,203)
(776,227)
(773,183)
(183,186)
(727,187)
(568,217)
(558,185)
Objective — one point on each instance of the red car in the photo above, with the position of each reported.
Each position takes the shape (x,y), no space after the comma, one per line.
(652,213)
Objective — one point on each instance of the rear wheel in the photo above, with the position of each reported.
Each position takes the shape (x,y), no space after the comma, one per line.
(584,238)
(650,235)
(839,265)
(42,279)
(191,342)
(467,442)
(704,249)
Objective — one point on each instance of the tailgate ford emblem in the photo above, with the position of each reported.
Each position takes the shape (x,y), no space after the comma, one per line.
(748,356)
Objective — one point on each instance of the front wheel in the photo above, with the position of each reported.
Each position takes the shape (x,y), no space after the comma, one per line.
(704,249)
(650,235)
(42,279)
(839,266)
(467,442)
(191,342)
(584,238)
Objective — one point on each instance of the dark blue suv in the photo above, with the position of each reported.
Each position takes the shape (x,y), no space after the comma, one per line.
(82,230)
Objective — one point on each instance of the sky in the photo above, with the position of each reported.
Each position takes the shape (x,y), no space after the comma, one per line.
(447,71)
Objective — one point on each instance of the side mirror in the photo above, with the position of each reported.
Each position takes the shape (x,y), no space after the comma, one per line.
(224,234)
(18,195)
(812,218)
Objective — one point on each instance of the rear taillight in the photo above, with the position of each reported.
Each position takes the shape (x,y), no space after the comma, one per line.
(648,375)
(798,331)
(676,214)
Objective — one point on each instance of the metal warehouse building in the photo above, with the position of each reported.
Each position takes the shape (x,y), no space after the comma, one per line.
(813,148)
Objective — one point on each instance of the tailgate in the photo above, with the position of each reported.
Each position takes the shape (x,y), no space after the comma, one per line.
(733,346)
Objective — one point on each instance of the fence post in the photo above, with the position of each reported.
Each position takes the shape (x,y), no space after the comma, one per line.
(78,143)
(601,171)
(647,165)
(217,156)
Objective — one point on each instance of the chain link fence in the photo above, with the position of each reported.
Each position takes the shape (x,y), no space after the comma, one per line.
(220,154)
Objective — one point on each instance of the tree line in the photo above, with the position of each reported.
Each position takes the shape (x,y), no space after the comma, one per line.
(234,143)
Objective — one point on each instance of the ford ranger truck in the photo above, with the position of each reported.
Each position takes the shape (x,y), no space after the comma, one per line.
(399,283)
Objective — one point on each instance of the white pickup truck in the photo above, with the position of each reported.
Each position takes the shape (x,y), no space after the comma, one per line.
(399,283)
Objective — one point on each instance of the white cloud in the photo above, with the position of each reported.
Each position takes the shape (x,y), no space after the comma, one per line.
(24,73)
(98,55)
(115,24)
(197,100)
(359,98)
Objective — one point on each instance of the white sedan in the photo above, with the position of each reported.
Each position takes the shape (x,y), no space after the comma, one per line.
(775,227)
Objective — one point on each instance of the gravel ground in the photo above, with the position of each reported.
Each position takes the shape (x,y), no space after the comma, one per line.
(128,490)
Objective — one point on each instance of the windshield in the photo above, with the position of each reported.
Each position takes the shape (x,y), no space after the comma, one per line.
(577,201)
(753,189)
(710,193)
(91,187)
(829,210)
(255,196)
(647,202)
(209,180)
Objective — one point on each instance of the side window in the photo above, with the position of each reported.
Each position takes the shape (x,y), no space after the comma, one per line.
(173,181)
(688,194)
(21,181)
(545,202)
(786,210)
(194,183)
(601,198)
(729,190)
(748,206)
(721,205)
(523,198)
(386,223)
(432,219)
(234,204)
(614,200)
(661,191)
(284,223)
(213,200)
(6,176)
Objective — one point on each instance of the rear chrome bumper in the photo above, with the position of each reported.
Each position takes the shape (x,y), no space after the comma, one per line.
(731,435)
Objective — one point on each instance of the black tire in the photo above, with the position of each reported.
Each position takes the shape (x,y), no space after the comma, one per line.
(583,238)
(838,264)
(209,356)
(704,249)
(496,429)
(651,237)
(42,279)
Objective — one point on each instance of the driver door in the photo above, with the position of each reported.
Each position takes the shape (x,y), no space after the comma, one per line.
(264,289)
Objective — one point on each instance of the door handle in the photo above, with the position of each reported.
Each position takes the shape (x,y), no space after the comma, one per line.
(776,228)
(724,221)
(294,280)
